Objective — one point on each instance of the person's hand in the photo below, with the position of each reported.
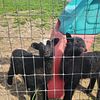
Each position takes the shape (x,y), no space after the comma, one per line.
(68,0)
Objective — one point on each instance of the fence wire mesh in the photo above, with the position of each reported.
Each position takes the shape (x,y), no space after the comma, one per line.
(23,22)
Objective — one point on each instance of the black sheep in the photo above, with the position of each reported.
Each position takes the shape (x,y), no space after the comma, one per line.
(78,44)
(36,70)
(77,65)
(20,60)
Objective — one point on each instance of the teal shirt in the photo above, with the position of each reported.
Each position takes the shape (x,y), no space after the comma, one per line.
(81,17)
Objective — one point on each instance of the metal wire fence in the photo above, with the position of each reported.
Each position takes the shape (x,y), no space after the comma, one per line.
(23,22)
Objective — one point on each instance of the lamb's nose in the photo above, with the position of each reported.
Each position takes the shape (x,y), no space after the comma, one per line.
(46,52)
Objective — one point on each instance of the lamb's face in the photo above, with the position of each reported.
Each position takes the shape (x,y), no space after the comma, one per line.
(49,47)
(79,42)
(75,46)
(46,50)
(39,46)
(76,42)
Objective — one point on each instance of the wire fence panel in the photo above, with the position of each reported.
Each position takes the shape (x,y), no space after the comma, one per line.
(23,22)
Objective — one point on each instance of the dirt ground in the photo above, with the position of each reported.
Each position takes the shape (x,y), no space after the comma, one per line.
(12,37)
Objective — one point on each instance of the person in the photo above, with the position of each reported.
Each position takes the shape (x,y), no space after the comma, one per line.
(79,18)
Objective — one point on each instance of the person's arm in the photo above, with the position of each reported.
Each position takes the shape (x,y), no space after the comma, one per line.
(68,0)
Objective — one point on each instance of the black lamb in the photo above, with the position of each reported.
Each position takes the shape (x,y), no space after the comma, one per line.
(78,43)
(76,65)
(36,70)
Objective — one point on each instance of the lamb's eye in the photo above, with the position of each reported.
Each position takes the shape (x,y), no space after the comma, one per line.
(77,41)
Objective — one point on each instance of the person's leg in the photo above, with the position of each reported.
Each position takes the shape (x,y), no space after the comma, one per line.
(56,84)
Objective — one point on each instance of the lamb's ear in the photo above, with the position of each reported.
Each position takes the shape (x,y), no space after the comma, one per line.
(68,35)
(55,41)
(37,45)
(69,38)
(48,42)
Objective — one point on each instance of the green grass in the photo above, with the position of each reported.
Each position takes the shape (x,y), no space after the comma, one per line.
(38,9)
(96,44)
(41,6)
